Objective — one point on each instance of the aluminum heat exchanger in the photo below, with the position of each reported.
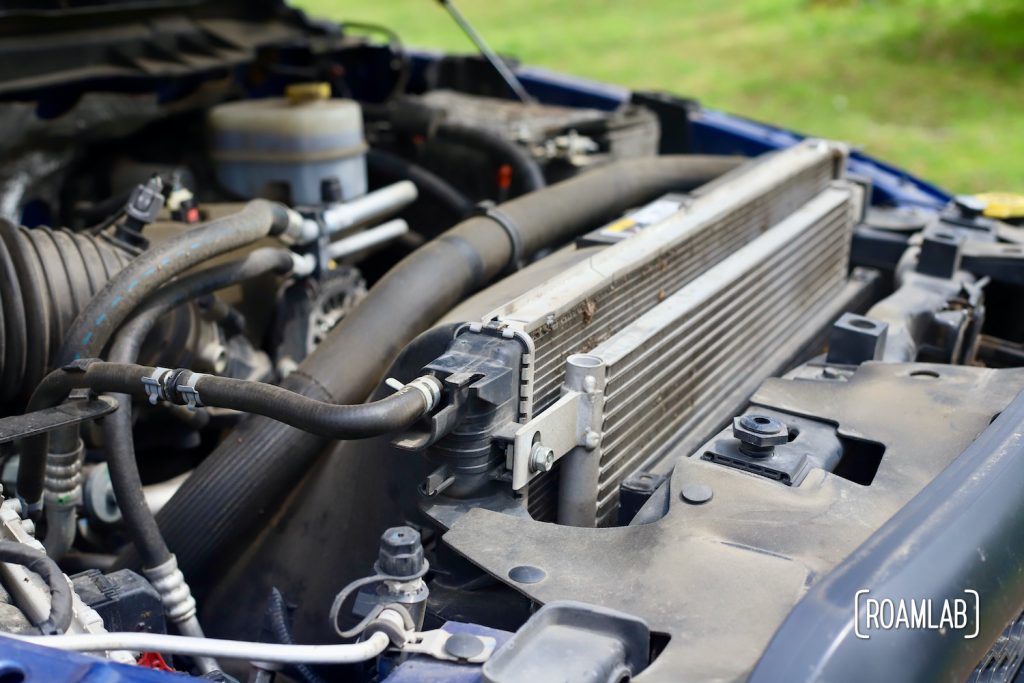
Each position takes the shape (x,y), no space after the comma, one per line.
(656,335)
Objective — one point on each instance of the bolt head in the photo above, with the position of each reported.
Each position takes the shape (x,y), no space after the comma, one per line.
(592,440)
(542,458)
(761,431)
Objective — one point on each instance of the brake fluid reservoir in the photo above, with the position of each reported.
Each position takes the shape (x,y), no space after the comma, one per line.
(284,148)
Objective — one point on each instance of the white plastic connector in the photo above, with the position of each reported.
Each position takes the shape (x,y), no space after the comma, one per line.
(303,264)
(426,385)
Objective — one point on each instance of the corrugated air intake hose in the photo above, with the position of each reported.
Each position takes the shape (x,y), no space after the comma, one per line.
(46,277)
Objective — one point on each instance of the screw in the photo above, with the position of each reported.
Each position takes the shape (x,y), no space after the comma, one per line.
(592,440)
(759,434)
(542,458)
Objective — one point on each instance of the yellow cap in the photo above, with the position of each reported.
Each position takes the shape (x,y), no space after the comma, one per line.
(1003,204)
(297,93)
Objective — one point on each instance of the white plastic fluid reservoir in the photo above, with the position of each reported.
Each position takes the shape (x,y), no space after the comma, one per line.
(285,148)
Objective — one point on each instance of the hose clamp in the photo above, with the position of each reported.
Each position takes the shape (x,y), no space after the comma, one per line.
(427,385)
(154,385)
(488,210)
(189,392)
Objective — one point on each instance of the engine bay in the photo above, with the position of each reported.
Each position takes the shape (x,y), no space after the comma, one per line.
(311,339)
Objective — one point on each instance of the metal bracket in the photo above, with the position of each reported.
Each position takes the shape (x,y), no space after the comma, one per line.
(573,421)
(47,420)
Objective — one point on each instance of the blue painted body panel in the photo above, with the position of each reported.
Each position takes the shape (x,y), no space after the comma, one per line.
(45,665)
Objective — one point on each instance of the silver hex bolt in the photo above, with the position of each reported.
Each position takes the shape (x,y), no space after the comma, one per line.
(542,458)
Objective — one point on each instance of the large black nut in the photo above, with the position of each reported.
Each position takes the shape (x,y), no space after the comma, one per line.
(401,552)
(760,431)
(855,339)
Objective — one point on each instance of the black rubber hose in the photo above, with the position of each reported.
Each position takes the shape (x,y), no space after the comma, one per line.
(395,168)
(391,414)
(122,294)
(329,420)
(232,492)
(117,427)
(128,341)
(61,609)
(154,267)
(526,173)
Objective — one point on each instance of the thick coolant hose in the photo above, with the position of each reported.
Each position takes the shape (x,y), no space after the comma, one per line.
(158,265)
(394,168)
(117,427)
(234,490)
(121,294)
(526,173)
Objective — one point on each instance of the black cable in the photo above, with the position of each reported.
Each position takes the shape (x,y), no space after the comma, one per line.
(106,222)
(277,613)
(61,611)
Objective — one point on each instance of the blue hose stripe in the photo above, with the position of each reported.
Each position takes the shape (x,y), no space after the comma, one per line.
(116,301)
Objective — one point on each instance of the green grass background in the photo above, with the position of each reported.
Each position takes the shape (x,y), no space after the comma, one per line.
(935,86)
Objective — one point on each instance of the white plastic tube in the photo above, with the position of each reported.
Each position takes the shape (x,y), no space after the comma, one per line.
(268,653)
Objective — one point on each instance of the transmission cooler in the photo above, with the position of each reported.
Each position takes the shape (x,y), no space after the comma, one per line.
(651,340)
